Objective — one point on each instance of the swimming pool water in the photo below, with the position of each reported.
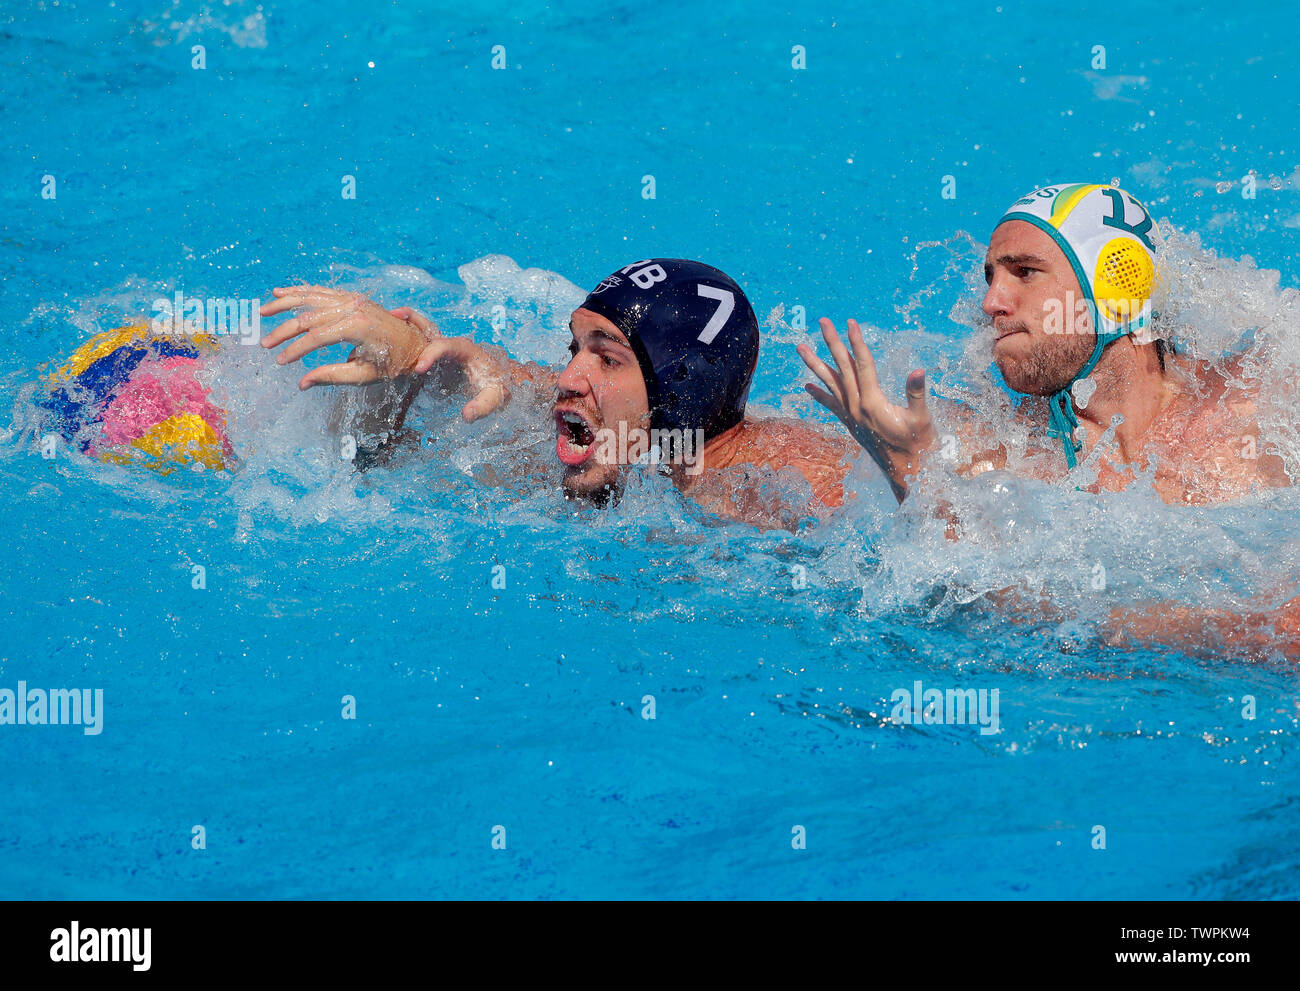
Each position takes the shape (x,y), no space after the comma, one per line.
(770,657)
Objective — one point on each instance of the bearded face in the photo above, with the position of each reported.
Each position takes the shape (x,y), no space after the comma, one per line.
(1044,335)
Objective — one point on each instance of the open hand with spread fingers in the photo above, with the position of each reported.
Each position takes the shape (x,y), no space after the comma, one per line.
(388,344)
(894,436)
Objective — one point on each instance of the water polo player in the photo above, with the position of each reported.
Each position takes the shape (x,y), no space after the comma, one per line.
(662,355)
(1071,270)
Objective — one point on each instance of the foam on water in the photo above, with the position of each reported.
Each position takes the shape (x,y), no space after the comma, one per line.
(243,22)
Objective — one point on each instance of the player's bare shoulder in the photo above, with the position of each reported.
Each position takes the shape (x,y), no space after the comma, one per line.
(822,455)
(1209,438)
(784,439)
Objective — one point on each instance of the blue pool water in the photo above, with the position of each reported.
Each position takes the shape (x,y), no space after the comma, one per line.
(522,707)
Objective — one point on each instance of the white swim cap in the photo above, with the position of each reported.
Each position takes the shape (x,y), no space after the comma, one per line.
(1111,242)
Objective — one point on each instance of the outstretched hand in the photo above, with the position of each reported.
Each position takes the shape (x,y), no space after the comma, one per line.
(895,436)
(388,343)
(485,372)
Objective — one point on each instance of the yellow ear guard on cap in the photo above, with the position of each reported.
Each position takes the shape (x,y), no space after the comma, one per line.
(1124,280)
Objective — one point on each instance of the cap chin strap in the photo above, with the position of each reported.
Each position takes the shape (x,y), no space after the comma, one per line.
(1062,421)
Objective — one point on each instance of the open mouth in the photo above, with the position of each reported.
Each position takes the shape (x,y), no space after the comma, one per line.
(574,438)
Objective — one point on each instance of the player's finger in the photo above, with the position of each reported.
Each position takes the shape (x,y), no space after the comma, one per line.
(298,324)
(863,361)
(456,349)
(488,399)
(343,373)
(343,327)
(823,371)
(916,395)
(827,400)
(845,364)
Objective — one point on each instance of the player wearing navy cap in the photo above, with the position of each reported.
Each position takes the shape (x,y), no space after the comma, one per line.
(662,357)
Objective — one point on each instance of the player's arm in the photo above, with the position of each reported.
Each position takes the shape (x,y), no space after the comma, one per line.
(1196,630)
(401,348)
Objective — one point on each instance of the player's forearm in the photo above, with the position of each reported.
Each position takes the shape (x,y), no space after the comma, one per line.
(1196,630)
(407,389)
(542,378)
(371,415)
(484,372)
(897,478)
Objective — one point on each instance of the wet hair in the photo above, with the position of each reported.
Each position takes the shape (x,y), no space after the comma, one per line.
(1163,346)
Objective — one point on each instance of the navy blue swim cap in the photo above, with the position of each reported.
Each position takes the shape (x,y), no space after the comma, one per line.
(695,337)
